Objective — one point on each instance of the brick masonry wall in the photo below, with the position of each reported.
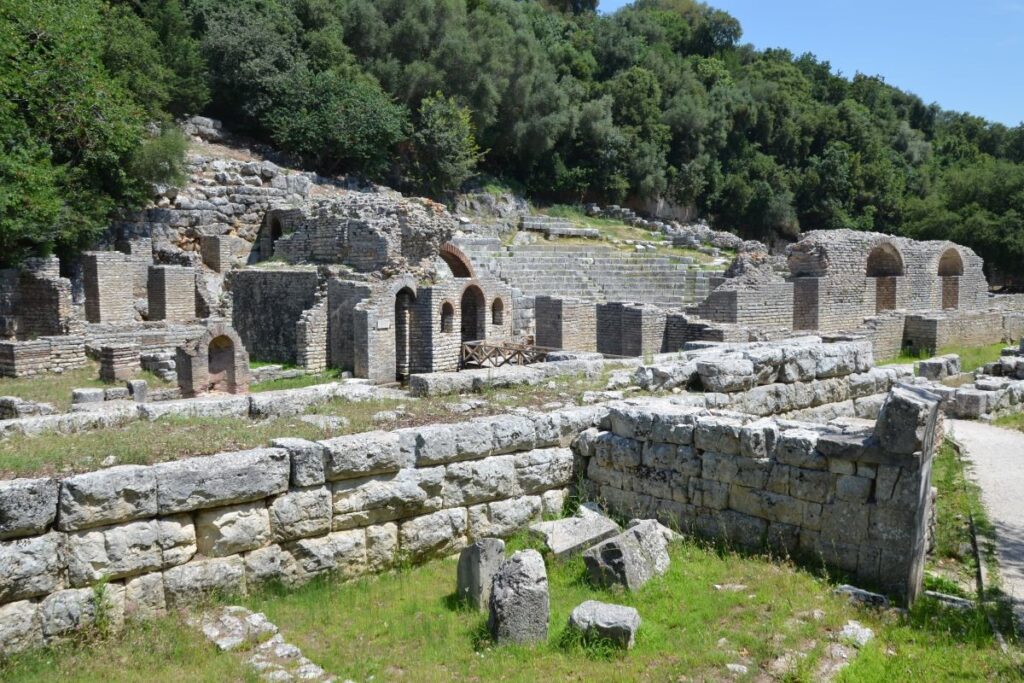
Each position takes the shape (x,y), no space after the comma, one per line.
(166,535)
(643,330)
(109,279)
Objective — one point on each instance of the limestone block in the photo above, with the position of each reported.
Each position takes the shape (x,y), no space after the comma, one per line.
(20,628)
(718,434)
(31,566)
(810,485)
(477,481)
(67,611)
(907,420)
(268,564)
(224,479)
(381,546)
(630,559)
(144,597)
(234,529)
(359,455)
(631,422)
(189,583)
(434,444)
(617,451)
(727,374)
(758,439)
(371,500)
(342,551)
(472,442)
(511,433)
(853,488)
(553,502)
(774,507)
(307,461)
(519,603)
(503,517)
(478,563)
(270,404)
(436,534)
(796,447)
(616,624)
(113,552)
(27,506)
(543,469)
(708,493)
(115,494)
(300,513)
(574,534)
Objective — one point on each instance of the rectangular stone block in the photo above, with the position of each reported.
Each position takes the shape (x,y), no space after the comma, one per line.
(502,518)
(307,461)
(381,546)
(27,506)
(32,566)
(20,628)
(233,529)
(766,505)
(718,434)
(108,496)
(190,583)
(384,498)
(360,455)
(224,479)
(543,469)
(144,597)
(300,513)
(437,534)
(67,611)
(343,552)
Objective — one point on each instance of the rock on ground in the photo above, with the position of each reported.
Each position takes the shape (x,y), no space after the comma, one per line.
(630,559)
(573,534)
(519,602)
(477,565)
(615,623)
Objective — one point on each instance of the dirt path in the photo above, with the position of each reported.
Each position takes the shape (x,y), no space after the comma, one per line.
(997,456)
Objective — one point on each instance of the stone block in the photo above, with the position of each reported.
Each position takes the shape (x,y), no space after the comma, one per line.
(478,481)
(853,489)
(27,506)
(810,485)
(553,502)
(436,444)
(31,566)
(569,535)
(64,612)
(543,469)
(307,461)
(343,552)
(108,496)
(478,563)
(381,546)
(774,507)
(300,513)
(630,559)
(189,583)
(511,433)
(383,498)
(270,563)
(224,479)
(144,597)
(906,422)
(20,627)
(437,534)
(726,375)
(360,455)
(503,517)
(718,434)
(114,552)
(233,529)
(619,452)
(519,602)
(615,624)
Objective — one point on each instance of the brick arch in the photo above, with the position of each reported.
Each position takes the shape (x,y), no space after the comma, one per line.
(951,264)
(884,260)
(456,260)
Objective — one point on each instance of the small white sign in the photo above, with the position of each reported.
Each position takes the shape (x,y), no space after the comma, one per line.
(384,324)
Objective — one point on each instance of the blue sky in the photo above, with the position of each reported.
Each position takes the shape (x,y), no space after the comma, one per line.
(967,56)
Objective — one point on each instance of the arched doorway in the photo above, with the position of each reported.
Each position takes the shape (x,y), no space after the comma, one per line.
(498,312)
(447,318)
(404,301)
(221,364)
(474,309)
(951,268)
(884,265)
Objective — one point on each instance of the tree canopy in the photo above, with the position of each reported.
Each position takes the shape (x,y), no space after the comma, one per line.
(660,99)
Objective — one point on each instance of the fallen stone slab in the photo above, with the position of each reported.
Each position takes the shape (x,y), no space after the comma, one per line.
(617,624)
(519,603)
(478,564)
(630,559)
(564,537)
(863,597)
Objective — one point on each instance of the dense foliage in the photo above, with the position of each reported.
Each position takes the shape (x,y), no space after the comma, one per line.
(659,100)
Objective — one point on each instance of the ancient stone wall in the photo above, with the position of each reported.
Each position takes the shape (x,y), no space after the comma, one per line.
(768,304)
(166,535)
(172,293)
(311,337)
(267,306)
(930,332)
(41,356)
(858,502)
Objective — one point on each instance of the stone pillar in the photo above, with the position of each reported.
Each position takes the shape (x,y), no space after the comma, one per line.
(109,287)
(643,330)
(172,293)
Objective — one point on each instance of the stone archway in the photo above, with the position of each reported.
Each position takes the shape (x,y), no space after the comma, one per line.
(951,268)
(498,312)
(884,266)
(474,312)
(456,260)
(404,300)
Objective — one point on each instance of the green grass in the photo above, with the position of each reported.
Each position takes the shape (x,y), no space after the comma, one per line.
(56,389)
(160,650)
(971,357)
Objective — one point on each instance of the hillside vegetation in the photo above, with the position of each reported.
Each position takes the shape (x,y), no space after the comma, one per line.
(658,99)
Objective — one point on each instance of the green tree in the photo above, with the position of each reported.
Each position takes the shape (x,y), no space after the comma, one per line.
(444,149)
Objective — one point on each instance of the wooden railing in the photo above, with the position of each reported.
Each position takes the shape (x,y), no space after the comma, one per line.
(482,354)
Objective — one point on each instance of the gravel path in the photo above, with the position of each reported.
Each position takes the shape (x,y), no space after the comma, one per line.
(997,456)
